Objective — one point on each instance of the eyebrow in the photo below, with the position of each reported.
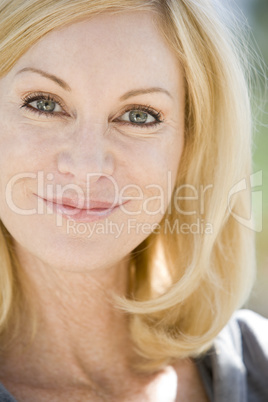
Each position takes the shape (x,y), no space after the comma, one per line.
(143,91)
(52,77)
(65,86)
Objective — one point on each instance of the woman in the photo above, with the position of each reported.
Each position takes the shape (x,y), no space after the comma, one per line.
(125,126)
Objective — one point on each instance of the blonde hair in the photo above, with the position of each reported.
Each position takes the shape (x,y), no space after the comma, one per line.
(207,276)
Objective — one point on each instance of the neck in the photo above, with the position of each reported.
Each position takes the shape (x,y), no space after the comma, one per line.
(80,334)
(82,344)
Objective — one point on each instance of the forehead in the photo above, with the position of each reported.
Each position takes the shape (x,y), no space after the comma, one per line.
(125,45)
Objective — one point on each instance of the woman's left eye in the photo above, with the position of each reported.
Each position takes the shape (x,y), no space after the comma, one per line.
(138,117)
(141,116)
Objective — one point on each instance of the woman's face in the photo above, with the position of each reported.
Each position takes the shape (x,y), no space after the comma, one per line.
(91,134)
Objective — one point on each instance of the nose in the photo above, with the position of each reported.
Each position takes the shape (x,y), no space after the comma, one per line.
(87,151)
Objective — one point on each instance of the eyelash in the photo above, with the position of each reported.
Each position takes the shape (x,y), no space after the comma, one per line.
(143,108)
(42,96)
(26,100)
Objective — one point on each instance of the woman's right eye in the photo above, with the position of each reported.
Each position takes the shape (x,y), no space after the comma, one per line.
(43,104)
(47,106)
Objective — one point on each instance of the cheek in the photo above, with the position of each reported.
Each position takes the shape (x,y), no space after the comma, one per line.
(158,163)
(21,157)
(154,173)
(21,144)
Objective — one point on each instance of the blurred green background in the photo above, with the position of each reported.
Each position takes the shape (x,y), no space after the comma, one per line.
(256,14)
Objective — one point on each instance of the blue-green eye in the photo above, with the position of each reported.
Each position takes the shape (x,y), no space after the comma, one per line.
(138,117)
(45,105)
(142,115)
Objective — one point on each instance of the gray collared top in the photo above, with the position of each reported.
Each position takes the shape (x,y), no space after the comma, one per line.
(236,368)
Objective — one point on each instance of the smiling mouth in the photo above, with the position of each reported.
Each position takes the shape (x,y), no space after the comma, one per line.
(79,210)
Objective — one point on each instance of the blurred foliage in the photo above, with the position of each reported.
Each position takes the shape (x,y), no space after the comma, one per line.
(256,12)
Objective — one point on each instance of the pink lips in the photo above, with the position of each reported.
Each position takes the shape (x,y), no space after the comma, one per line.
(81,210)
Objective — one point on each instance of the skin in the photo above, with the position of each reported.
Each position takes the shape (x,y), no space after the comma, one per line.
(82,347)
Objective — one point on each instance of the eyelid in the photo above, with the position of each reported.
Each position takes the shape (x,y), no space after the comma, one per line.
(30,97)
(157,114)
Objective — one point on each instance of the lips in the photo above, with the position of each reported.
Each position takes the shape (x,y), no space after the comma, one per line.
(81,210)
(83,204)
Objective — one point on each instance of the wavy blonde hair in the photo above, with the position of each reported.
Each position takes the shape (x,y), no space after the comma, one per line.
(205,276)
